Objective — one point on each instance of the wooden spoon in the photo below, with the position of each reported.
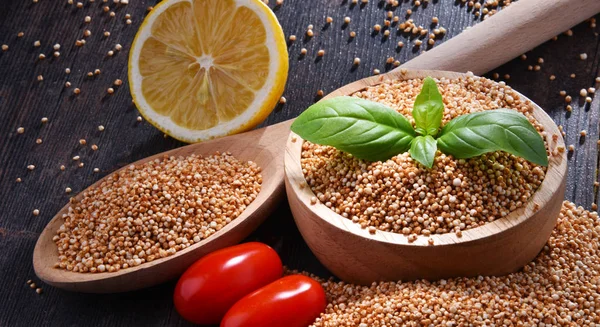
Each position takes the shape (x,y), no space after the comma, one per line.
(263,146)
(516,29)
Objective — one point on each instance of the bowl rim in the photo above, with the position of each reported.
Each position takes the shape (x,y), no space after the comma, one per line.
(555,173)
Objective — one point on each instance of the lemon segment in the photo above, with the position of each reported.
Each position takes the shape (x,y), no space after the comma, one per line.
(200,69)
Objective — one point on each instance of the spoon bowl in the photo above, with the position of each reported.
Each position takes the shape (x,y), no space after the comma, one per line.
(495,248)
(263,146)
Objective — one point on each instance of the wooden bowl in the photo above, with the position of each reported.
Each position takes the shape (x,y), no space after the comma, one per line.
(496,248)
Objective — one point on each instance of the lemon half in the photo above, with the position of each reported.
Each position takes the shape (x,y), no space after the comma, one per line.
(200,69)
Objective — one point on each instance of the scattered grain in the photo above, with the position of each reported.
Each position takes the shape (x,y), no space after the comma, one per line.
(558,288)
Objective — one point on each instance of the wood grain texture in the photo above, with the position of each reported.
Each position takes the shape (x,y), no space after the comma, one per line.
(496,248)
(262,146)
(24,101)
(517,29)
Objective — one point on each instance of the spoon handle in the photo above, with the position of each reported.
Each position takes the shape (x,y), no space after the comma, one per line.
(514,30)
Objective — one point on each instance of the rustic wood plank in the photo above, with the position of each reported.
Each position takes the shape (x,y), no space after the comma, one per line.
(24,101)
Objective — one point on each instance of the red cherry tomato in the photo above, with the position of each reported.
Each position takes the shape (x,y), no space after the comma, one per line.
(209,287)
(292,301)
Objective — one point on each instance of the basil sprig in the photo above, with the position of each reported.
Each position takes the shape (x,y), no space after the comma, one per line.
(428,109)
(492,130)
(367,130)
(423,149)
(372,131)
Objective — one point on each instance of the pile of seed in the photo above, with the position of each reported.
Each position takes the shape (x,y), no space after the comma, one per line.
(153,210)
(561,287)
(402,196)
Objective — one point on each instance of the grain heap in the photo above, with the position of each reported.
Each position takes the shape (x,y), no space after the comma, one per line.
(561,287)
(400,195)
(150,211)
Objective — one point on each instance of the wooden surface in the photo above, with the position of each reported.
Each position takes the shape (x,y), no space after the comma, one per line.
(521,27)
(24,101)
(496,248)
(262,146)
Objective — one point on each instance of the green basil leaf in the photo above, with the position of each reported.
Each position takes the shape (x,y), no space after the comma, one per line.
(366,129)
(423,149)
(428,108)
(492,130)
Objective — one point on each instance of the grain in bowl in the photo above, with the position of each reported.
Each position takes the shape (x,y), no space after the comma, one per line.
(399,195)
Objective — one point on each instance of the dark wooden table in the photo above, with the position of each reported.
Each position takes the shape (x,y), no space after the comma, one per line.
(24,101)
